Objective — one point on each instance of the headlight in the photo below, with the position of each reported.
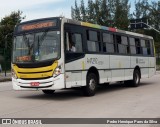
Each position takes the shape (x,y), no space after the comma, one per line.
(14,74)
(57,71)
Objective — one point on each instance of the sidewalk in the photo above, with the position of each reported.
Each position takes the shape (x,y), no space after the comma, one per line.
(4,78)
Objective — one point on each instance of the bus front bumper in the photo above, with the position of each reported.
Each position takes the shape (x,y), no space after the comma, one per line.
(41,84)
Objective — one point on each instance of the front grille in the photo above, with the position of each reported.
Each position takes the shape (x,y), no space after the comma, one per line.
(34,72)
(35,87)
(35,78)
(35,65)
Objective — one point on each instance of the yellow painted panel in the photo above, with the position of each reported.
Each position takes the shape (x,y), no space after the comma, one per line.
(36,75)
(53,66)
(35,71)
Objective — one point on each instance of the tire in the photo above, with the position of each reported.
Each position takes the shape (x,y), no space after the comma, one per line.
(90,88)
(48,92)
(136,79)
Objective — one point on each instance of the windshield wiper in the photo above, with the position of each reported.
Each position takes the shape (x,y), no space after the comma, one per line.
(41,39)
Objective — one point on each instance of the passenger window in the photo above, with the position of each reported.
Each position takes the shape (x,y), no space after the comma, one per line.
(78,42)
(122,44)
(93,46)
(148,46)
(151,47)
(108,43)
(132,46)
(135,46)
(132,41)
(138,46)
(73,42)
(93,41)
(144,48)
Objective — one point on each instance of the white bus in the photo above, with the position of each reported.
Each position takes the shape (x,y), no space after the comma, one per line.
(58,53)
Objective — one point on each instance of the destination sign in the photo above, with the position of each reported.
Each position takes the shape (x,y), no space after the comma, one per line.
(37,25)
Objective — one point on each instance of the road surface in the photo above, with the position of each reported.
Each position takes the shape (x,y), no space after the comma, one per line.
(113,101)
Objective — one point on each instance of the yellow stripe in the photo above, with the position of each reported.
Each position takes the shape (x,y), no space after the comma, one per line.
(36,75)
(154,49)
(83,65)
(35,72)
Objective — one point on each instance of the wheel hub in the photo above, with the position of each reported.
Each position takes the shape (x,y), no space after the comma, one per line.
(92,84)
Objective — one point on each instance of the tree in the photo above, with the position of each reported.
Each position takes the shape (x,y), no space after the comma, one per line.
(90,12)
(72,13)
(104,13)
(76,12)
(113,13)
(7,26)
(121,17)
(83,11)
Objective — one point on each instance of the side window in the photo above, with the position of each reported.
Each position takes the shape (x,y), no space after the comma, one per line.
(132,46)
(108,43)
(144,47)
(78,42)
(73,42)
(125,43)
(138,46)
(149,47)
(93,41)
(122,44)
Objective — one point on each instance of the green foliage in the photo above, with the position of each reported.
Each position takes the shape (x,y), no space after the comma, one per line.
(114,13)
(7,25)
(83,11)
(121,17)
(150,11)
(90,12)
(76,12)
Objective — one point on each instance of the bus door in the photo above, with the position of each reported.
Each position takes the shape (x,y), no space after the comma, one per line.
(73,56)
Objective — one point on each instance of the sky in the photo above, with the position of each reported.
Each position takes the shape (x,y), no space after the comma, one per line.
(34,9)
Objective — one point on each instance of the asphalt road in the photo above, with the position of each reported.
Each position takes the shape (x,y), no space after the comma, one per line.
(113,101)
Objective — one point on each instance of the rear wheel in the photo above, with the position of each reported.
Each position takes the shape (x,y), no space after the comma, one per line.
(48,92)
(136,79)
(90,88)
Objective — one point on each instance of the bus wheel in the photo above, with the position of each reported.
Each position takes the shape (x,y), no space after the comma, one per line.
(49,92)
(90,88)
(136,78)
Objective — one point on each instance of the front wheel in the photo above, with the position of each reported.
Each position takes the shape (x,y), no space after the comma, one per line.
(90,88)
(48,92)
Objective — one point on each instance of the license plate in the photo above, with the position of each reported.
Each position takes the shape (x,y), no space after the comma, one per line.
(35,83)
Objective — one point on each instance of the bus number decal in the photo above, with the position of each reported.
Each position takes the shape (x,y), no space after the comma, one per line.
(94,61)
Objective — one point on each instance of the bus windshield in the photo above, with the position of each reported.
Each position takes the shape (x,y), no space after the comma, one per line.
(36,47)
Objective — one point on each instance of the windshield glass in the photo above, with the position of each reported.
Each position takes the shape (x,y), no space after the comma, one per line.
(36,47)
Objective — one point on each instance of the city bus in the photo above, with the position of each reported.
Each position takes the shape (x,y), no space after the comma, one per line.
(58,53)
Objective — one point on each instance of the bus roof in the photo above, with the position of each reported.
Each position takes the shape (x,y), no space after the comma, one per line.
(106,28)
(71,21)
